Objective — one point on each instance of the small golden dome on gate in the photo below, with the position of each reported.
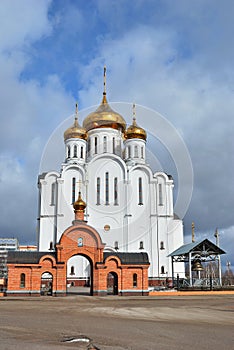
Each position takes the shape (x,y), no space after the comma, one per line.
(79,204)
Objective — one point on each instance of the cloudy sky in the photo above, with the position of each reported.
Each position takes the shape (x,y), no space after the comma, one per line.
(173,57)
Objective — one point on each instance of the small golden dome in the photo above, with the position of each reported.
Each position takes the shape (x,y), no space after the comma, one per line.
(79,205)
(75,131)
(104,116)
(134,131)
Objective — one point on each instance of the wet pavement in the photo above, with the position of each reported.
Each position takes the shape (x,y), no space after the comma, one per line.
(106,323)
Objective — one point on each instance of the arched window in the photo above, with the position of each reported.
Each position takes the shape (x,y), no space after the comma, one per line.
(113,144)
(72,270)
(80,242)
(135,152)
(129,152)
(51,246)
(104,144)
(95,145)
(75,151)
(116,245)
(142,152)
(53,193)
(160,197)
(98,190)
(88,146)
(162,245)
(115,191)
(68,152)
(82,152)
(141,245)
(22,280)
(162,270)
(140,194)
(134,280)
(73,189)
(107,188)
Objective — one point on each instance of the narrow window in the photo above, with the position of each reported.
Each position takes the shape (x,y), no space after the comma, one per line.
(116,245)
(160,199)
(162,270)
(129,152)
(88,146)
(98,191)
(141,245)
(72,270)
(162,245)
(51,246)
(104,144)
(107,188)
(80,242)
(115,191)
(113,145)
(82,152)
(73,189)
(22,280)
(75,151)
(68,152)
(140,191)
(134,280)
(95,145)
(53,194)
(135,152)
(142,152)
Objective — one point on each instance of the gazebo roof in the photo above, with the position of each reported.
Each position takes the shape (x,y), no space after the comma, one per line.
(203,247)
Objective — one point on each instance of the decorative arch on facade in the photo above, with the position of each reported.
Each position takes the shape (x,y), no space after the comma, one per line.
(113,157)
(145,169)
(75,167)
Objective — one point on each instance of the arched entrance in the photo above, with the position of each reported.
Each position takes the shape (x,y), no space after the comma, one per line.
(46,284)
(79,275)
(112,283)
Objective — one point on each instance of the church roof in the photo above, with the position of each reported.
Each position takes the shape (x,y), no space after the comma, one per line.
(17,257)
(129,258)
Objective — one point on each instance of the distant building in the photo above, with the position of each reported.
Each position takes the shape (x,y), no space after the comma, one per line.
(6,244)
(24,248)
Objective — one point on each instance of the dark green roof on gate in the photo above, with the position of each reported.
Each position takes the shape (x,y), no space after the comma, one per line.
(18,257)
(129,258)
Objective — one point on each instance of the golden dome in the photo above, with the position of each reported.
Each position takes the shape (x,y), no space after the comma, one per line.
(134,131)
(104,116)
(79,205)
(75,131)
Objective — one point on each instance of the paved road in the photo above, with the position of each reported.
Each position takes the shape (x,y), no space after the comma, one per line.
(117,323)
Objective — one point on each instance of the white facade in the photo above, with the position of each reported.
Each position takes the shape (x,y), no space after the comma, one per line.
(129,205)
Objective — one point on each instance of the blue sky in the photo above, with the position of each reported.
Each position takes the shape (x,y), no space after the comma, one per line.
(175,57)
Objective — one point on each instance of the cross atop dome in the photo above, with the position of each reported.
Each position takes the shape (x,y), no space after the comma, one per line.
(104,116)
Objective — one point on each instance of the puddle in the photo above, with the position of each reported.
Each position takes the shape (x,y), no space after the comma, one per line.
(80,338)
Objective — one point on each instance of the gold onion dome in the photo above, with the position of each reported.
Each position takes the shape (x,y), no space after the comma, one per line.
(75,131)
(134,131)
(79,204)
(104,116)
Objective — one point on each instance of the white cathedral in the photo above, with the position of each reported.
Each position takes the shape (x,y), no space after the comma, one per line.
(130,206)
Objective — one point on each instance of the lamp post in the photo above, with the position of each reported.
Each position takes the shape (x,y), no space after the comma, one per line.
(219,259)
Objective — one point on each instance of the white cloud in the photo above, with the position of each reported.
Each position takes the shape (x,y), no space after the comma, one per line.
(22,22)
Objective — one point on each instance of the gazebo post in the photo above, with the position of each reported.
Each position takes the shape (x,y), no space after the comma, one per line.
(190,271)
(172,270)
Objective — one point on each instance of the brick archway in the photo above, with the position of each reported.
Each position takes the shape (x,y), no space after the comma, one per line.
(130,269)
(82,239)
